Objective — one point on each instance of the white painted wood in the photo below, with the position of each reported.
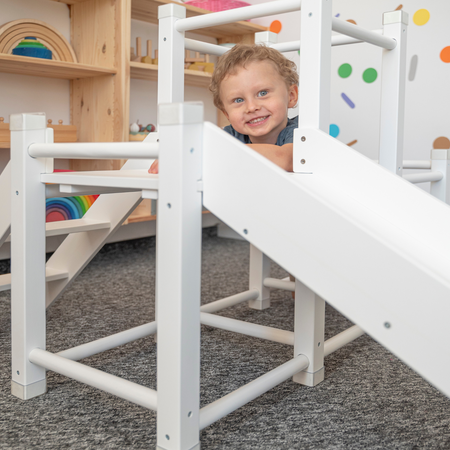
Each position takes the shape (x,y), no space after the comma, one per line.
(178,256)
(440,161)
(50,275)
(423,177)
(393,77)
(309,328)
(126,179)
(315,67)
(5,203)
(28,254)
(140,395)
(259,271)
(234,15)
(286,285)
(353,233)
(204,47)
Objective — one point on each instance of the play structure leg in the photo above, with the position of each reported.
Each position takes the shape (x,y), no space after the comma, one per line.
(5,203)
(179,275)
(259,270)
(28,255)
(440,162)
(309,333)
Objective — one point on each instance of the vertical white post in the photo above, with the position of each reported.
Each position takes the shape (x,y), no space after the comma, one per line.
(259,270)
(266,37)
(309,329)
(27,254)
(392,110)
(440,162)
(179,275)
(5,203)
(315,68)
(170,55)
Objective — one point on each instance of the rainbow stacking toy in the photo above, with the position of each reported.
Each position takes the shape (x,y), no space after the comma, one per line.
(30,46)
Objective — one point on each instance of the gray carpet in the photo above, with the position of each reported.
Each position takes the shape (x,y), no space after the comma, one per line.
(369,399)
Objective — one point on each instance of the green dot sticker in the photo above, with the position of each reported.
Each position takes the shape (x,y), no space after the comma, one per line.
(370,75)
(345,70)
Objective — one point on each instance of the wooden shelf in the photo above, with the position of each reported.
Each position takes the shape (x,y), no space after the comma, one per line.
(143,71)
(38,67)
(147,11)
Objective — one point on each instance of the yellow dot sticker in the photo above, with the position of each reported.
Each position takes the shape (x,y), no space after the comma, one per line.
(421,17)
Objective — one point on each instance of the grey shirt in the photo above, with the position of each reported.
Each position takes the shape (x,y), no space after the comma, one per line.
(285,137)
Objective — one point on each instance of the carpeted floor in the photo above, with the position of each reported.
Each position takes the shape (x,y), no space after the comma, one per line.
(369,399)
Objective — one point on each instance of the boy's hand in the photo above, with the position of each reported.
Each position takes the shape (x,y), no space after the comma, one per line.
(154,168)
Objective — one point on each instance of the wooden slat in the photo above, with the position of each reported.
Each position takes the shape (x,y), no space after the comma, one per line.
(50,275)
(143,71)
(24,65)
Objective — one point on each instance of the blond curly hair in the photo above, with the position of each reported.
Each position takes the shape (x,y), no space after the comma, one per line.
(241,55)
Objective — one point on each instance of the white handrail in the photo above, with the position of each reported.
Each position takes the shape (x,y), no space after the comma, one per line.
(204,47)
(424,177)
(357,32)
(95,150)
(416,164)
(235,15)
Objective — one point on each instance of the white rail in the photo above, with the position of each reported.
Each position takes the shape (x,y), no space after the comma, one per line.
(225,405)
(423,177)
(235,15)
(341,339)
(96,150)
(106,382)
(204,47)
(416,164)
(230,301)
(357,32)
(279,284)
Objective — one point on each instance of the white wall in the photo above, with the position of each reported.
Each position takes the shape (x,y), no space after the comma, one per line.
(427,94)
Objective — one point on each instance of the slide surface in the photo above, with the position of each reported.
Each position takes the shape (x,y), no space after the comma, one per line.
(374,246)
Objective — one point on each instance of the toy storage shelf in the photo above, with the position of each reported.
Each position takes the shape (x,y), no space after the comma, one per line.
(143,71)
(24,65)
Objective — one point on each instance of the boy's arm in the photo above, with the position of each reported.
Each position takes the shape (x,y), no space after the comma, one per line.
(282,156)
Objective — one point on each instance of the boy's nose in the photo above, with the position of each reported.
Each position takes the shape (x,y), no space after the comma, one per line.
(252,106)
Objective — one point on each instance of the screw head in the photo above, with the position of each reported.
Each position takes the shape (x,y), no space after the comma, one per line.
(303,138)
(245,231)
(387,325)
(18,373)
(169,205)
(303,161)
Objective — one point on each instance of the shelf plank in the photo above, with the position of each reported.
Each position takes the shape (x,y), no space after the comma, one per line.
(24,65)
(143,71)
(147,11)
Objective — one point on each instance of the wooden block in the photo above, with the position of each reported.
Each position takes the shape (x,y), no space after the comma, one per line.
(147,60)
(138,47)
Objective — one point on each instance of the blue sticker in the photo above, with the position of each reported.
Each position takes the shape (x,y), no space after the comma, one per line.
(334,130)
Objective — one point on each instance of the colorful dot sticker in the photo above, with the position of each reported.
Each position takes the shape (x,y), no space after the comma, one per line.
(421,17)
(441,142)
(399,7)
(348,101)
(445,54)
(370,75)
(352,143)
(345,70)
(275,26)
(351,21)
(334,130)
(413,68)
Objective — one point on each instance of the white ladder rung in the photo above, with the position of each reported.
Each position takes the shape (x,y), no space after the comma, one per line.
(72,226)
(50,275)
(138,179)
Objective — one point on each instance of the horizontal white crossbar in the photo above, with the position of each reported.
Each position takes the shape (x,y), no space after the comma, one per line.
(249,329)
(125,389)
(341,339)
(279,284)
(225,405)
(50,275)
(95,150)
(416,164)
(335,41)
(204,47)
(235,15)
(108,342)
(230,301)
(357,32)
(423,177)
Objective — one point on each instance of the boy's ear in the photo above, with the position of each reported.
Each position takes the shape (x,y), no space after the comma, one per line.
(293,96)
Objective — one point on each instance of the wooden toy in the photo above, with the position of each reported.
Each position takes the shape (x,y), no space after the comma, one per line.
(32,48)
(12,33)
(138,54)
(198,63)
(148,59)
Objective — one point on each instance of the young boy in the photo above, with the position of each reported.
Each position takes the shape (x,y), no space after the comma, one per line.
(254,86)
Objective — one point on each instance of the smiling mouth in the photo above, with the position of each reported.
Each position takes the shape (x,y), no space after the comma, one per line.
(258,120)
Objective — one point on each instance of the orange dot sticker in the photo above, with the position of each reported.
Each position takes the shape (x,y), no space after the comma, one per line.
(275,26)
(441,142)
(351,21)
(445,54)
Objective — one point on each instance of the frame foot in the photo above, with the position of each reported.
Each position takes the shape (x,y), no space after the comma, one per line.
(259,304)
(196,447)
(29,391)
(308,378)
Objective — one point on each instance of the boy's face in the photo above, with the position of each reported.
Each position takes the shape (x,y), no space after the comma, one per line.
(256,101)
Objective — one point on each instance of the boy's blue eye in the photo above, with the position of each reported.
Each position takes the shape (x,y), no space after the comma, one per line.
(238,100)
(262,93)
